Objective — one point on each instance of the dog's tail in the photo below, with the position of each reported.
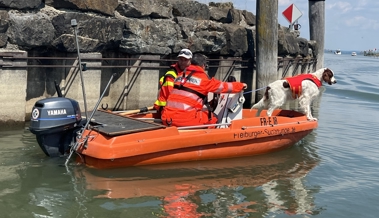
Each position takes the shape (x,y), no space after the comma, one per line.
(263,103)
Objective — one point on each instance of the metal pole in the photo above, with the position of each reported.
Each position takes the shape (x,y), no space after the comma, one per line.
(73,148)
(74,25)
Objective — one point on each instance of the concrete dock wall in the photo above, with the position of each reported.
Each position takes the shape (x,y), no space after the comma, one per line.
(13,82)
(24,80)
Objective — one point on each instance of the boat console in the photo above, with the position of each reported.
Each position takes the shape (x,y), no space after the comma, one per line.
(229,107)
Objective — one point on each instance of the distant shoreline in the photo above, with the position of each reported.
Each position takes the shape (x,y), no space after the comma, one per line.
(371,53)
(364,53)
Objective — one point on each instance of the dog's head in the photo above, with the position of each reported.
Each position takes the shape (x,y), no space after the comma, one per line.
(328,76)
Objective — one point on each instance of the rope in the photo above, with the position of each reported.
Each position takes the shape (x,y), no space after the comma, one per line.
(255,90)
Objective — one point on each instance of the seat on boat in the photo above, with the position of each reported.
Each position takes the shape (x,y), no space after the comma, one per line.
(229,107)
(113,124)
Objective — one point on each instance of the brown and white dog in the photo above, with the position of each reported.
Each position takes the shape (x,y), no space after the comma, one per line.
(304,86)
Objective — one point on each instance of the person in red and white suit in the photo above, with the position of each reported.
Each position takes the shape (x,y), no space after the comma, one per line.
(185,104)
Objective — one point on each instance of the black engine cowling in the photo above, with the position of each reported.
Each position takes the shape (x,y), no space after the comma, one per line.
(55,122)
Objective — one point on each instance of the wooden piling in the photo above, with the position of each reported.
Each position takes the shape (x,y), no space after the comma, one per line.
(317,28)
(267,44)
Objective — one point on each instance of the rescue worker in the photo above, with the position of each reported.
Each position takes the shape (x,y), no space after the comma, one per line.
(167,81)
(185,104)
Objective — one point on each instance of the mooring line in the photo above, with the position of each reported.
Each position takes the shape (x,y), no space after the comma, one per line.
(255,90)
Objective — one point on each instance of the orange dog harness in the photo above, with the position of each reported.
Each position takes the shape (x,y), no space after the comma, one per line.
(295,83)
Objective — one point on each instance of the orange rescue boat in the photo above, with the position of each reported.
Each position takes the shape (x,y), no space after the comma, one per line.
(112,140)
(154,143)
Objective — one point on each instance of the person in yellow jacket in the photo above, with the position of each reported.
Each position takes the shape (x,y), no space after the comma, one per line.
(167,81)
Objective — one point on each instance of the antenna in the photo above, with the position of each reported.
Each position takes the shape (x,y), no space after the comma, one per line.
(74,24)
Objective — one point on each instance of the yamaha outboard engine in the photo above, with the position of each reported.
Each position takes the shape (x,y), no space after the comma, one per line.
(55,122)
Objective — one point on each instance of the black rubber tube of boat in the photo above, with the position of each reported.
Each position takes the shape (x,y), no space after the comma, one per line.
(73,149)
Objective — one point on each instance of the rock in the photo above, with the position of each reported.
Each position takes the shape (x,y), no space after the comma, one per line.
(4,24)
(190,9)
(236,37)
(106,7)
(109,30)
(67,43)
(220,14)
(303,46)
(207,37)
(145,8)
(249,18)
(236,16)
(29,30)
(222,5)
(3,39)
(29,4)
(4,21)
(137,27)
(287,45)
(149,36)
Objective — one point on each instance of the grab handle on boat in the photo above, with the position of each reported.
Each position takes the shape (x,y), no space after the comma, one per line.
(74,147)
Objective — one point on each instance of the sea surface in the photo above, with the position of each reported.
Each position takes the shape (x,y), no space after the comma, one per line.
(333,172)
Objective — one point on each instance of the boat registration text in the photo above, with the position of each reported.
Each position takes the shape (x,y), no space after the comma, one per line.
(269,121)
(269,132)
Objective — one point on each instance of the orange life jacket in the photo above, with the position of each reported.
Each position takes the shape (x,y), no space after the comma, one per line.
(295,83)
(185,103)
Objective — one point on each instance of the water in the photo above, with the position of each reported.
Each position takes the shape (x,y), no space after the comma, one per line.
(333,172)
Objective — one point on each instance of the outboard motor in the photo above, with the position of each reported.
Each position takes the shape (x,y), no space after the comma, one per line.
(55,122)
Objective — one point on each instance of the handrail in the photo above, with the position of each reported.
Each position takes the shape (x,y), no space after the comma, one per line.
(281,61)
(109,66)
(117,59)
(13,58)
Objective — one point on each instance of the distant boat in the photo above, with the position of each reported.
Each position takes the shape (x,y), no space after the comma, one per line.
(353,53)
(338,52)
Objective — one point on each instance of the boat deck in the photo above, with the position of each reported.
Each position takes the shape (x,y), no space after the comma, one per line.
(112,124)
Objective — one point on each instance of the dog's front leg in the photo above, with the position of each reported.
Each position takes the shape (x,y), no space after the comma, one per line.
(305,105)
(270,110)
(309,114)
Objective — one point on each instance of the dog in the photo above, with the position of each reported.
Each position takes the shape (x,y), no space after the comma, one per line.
(304,86)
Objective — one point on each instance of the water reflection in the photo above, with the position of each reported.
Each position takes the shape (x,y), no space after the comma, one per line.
(9,162)
(243,187)
(256,186)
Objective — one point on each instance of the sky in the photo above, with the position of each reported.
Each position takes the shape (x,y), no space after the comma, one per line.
(350,25)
